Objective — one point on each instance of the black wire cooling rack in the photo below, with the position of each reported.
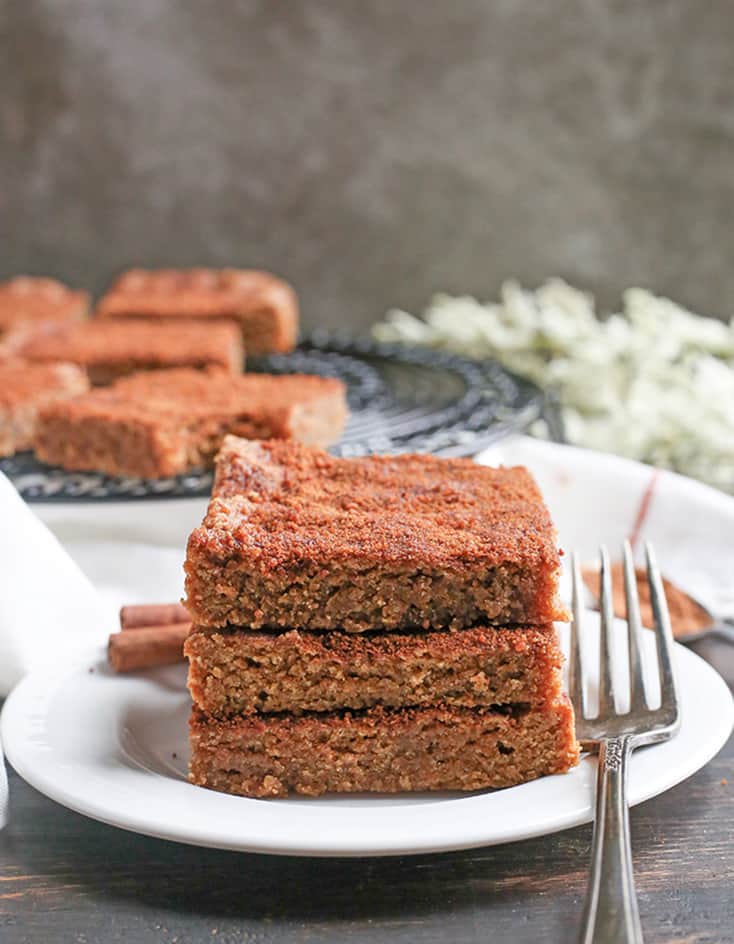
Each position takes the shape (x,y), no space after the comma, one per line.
(401,400)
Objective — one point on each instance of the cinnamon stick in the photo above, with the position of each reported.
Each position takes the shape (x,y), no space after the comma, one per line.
(153,614)
(147,647)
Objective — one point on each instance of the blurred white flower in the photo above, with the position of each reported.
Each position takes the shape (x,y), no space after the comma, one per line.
(654,383)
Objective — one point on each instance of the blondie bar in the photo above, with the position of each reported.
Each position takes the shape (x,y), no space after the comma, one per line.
(112,349)
(265,307)
(382,750)
(24,390)
(28,299)
(161,423)
(245,672)
(295,538)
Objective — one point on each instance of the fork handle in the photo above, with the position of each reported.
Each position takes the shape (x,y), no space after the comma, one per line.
(610,912)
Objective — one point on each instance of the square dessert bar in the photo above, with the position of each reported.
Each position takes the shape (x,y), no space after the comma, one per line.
(32,300)
(162,423)
(244,672)
(111,349)
(265,307)
(294,537)
(381,750)
(24,389)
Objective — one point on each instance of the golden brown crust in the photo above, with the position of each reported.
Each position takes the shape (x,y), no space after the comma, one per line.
(233,672)
(381,750)
(295,537)
(444,511)
(33,299)
(161,423)
(110,349)
(263,305)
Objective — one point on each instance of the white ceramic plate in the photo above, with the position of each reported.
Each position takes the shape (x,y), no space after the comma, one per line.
(114,748)
(105,745)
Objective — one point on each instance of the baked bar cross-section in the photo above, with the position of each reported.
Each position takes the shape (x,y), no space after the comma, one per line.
(245,672)
(294,537)
(382,750)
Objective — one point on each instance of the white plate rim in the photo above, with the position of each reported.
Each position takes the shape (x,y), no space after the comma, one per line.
(21,714)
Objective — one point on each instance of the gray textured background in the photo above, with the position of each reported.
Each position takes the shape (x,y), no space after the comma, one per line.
(373,151)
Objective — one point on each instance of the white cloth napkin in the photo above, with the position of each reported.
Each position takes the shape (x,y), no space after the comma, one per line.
(48,607)
(65,569)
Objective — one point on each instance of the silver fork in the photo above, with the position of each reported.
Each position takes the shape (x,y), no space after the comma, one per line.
(610,912)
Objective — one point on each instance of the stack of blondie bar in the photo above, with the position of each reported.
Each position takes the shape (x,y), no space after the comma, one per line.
(373,624)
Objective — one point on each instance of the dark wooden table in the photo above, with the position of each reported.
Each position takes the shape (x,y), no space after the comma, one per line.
(67,878)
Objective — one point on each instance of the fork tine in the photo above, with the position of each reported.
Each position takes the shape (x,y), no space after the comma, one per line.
(606,648)
(638,697)
(606,640)
(663,634)
(575,658)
